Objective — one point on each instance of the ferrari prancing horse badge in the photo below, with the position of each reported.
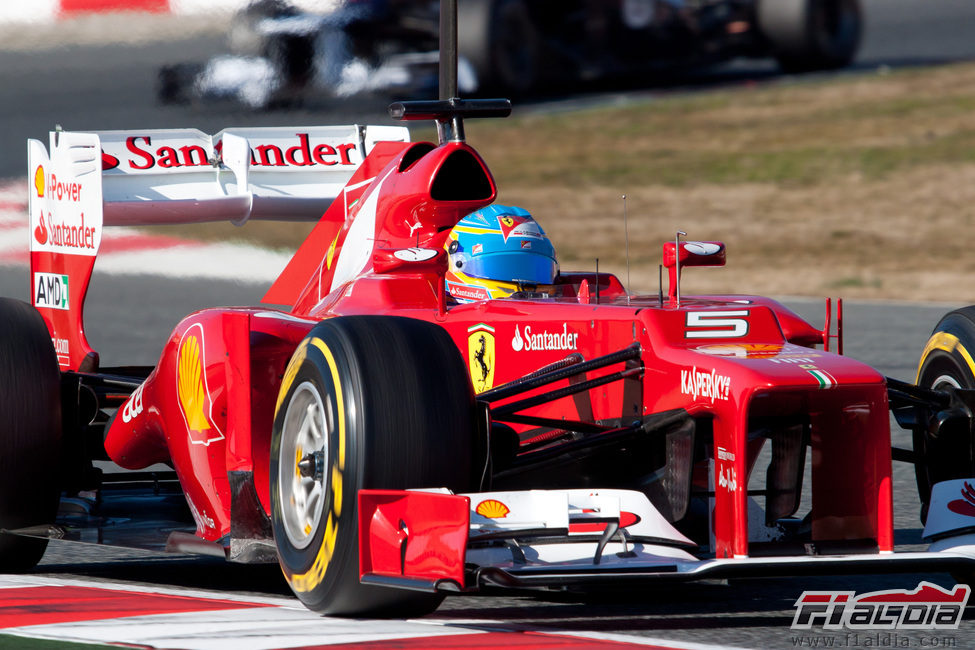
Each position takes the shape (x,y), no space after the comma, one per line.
(480,354)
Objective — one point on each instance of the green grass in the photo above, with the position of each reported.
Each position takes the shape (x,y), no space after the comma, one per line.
(777,134)
(12,642)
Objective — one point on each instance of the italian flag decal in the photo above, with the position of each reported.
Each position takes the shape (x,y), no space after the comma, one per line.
(825,379)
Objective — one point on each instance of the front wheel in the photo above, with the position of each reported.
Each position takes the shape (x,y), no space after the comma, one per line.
(366,402)
(946,362)
(30,433)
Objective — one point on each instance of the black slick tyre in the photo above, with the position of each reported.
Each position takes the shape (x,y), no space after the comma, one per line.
(946,361)
(30,433)
(947,357)
(366,402)
(806,35)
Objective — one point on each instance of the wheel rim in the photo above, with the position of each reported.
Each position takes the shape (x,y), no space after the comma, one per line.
(945,380)
(303,455)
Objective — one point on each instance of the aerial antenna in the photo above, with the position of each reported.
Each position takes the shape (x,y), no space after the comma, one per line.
(449,110)
(448,69)
(597,280)
(660,283)
(626,239)
(448,49)
(677,262)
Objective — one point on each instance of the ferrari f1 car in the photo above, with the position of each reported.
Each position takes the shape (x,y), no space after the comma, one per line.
(387,443)
(279,54)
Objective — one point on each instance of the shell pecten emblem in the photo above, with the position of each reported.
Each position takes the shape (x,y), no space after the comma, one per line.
(39,181)
(492,509)
(190,384)
(194,397)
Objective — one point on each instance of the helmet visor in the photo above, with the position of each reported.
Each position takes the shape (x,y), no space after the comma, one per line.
(525,267)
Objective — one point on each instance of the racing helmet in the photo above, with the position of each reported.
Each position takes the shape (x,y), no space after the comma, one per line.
(497,251)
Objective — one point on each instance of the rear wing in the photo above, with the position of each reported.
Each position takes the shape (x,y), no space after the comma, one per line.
(174,176)
(180,176)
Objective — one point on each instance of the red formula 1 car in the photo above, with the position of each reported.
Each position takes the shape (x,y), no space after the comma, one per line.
(388,444)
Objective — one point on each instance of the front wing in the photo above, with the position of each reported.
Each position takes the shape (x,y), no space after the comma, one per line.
(556,539)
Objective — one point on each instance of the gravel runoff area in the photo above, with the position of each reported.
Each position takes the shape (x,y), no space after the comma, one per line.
(105,29)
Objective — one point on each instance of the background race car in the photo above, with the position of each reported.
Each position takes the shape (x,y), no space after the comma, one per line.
(282,55)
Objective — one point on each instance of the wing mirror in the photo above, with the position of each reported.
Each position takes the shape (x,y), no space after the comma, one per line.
(678,254)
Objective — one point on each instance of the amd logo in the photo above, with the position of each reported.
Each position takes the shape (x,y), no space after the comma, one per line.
(51,290)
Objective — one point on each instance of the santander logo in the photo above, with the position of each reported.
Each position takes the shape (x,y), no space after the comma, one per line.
(109,161)
(144,152)
(965,505)
(544,340)
(517,343)
(40,233)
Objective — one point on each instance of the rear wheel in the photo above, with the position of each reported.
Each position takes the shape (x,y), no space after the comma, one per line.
(807,35)
(366,402)
(30,432)
(501,42)
(946,361)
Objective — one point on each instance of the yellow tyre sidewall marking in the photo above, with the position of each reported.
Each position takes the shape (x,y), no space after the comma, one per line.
(291,371)
(310,579)
(946,343)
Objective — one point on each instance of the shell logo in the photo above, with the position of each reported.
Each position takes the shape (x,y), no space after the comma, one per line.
(492,508)
(39,181)
(190,384)
(192,391)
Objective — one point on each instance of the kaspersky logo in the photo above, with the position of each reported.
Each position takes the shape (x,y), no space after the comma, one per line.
(51,291)
(929,607)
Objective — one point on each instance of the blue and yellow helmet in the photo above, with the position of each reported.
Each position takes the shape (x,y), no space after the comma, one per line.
(497,251)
